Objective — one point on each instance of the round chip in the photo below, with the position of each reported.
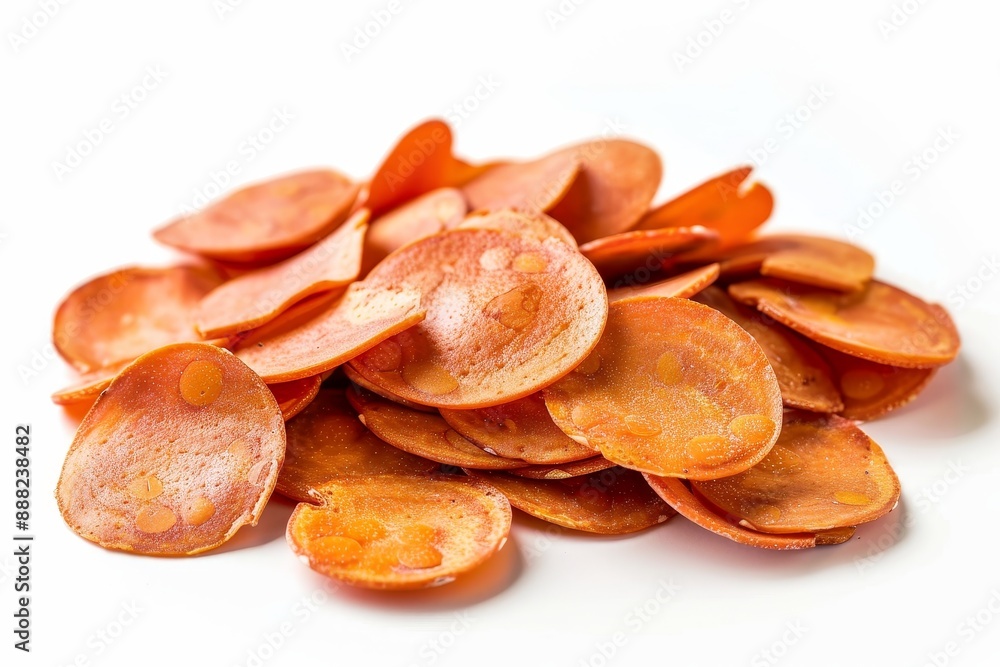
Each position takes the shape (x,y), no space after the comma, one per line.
(615,501)
(360,319)
(266,221)
(674,388)
(823,473)
(536,226)
(881,323)
(294,396)
(648,251)
(506,315)
(805,379)
(565,470)
(327,442)
(396,532)
(180,451)
(871,390)
(259,296)
(521,429)
(534,187)
(683,286)
(423,434)
(118,316)
(616,183)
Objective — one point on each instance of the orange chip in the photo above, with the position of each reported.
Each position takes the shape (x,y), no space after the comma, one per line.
(536,226)
(396,532)
(564,470)
(613,502)
(521,429)
(258,297)
(361,382)
(683,286)
(674,388)
(118,316)
(648,251)
(722,203)
(327,442)
(823,473)
(870,390)
(616,183)
(802,258)
(180,451)
(428,214)
(804,377)
(294,396)
(881,323)
(506,315)
(423,434)
(266,221)
(360,319)
(89,385)
(533,187)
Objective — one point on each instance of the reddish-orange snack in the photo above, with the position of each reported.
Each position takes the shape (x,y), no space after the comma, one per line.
(683,286)
(428,214)
(533,187)
(564,470)
(823,473)
(506,315)
(180,451)
(617,181)
(805,378)
(881,323)
(674,388)
(396,532)
(870,390)
(266,221)
(615,501)
(118,316)
(327,441)
(521,429)
(88,386)
(537,226)
(649,251)
(258,297)
(360,319)
(722,203)
(293,397)
(423,434)
(362,383)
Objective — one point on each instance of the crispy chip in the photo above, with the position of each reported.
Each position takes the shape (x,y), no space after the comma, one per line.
(649,251)
(266,221)
(294,396)
(180,451)
(564,470)
(88,386)
(684,286)
(881,323)
(871,390)
(396,532)
(536,226)
(534,187)
(360,381)
(673,388)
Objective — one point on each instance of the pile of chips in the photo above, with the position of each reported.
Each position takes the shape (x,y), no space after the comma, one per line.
(411,356)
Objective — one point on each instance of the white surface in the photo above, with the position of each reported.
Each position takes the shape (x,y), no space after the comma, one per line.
(548,599)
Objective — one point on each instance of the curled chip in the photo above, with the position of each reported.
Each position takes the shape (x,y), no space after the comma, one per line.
(259,296)
(423,434)
(521,429)
(326,442)
(870,390)
(360,319)
(180,451)
(674,388)
(612,502)
(805,379)
(536,226)
(564,470)
(266,221)
(362,383)
(88,386)
(397,532)
(881,323)
(616,183)
(683,286)
(294,396)
(118,316)
(428,214)
(644,251)
(823,473)
(722,203)
(534,186)
(506,315)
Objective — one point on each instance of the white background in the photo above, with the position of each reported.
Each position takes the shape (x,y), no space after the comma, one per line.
(899,593)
